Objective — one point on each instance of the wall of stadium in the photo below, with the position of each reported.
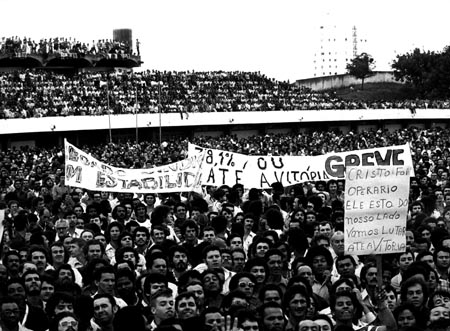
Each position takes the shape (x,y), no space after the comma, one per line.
(88,129)
(346,80)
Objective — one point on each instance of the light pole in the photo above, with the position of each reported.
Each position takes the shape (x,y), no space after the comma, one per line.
(159,110)
(109,110)
(136,111)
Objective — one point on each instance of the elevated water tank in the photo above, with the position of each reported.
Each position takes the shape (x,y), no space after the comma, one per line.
(124,35)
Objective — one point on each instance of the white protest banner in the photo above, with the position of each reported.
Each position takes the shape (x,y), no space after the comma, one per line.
(290,170)
(376,207)
(83,170)
(220,167)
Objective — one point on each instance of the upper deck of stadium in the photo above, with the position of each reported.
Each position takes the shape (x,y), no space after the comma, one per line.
(45,83)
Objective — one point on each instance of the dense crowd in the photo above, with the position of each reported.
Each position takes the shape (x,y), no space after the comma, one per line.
(230,259)
(64,47)
(32,93)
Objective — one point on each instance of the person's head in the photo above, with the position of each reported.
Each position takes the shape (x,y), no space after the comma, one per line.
(345,265)
(271,293)
(274,258)
(337,242)
(105,280)
(65,274)
(391,297)
(324,322)
(440,298)
(62,227)
(249,222)
(320,260)
(295,302)
(114,230)
(417,207)
(345,307)
(87,234)
(161,215)
(162,305)
(213,318)
(157,263)
(196,287)
(238,259)
(93,249)
(58,254)
(305,271)
(180,211)
(212,257)
(59,302)
(272,317)
(152,284)
(321,240)
(244,282)
(209,234)
(258,268)
(158,234)
(38,256)
(15,288)
(406,315)
(247,321)
(105,308)
(308,325)
(178,258)
(141,236)
(442,257)
(186,305)
(261,246)
(212,281)
(438,314)
(10,312)
(47,287)
(190,229)
(342,284)
(414,290)
(326,228)
(234,240)
(126,239)
(125,283)
(76,247)
(11,260)
(32,282)
(368,275)
(129,318)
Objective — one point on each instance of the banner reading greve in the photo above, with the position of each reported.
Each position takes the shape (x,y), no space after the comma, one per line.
(228,168)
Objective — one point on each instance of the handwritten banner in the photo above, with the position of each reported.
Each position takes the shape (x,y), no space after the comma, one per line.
(83,170)
(222,167)
(376,207)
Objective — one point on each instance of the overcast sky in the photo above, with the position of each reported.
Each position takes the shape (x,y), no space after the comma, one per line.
(273,37)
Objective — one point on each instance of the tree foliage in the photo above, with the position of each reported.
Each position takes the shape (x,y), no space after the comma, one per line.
(361,67)
(428,72)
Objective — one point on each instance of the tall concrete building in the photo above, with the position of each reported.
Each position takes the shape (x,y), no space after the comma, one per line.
(336,44)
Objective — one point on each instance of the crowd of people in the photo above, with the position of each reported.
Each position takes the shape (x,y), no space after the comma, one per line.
(64,47)
(230,259)
(31,93)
